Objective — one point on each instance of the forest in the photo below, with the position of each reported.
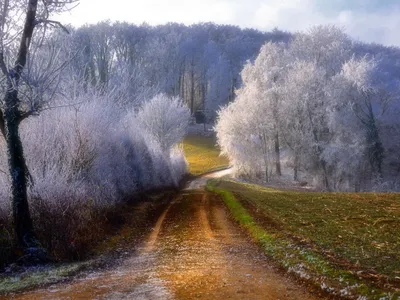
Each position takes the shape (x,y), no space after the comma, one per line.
(330,139)
(200,63)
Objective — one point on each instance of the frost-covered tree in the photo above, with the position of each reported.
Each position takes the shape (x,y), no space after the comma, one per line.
(368,98)
(269,69)
(326,46)
(239,140)
(248,129)
(304,122)
(165,119)
(331,110)
(19,20)
(368,93)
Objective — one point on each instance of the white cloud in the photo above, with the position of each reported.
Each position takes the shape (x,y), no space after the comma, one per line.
(289,15)
(372,27)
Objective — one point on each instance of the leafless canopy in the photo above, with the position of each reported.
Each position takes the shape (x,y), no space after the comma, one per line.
(16,62)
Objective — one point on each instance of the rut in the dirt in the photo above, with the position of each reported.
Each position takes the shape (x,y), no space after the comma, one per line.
(194,252)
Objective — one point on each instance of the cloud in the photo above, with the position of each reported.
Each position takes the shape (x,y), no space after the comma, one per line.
(372,22)
(379,27)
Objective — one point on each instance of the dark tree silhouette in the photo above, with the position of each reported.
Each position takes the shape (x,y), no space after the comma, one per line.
(10,118)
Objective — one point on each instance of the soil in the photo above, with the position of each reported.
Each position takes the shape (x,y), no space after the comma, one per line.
(195,251)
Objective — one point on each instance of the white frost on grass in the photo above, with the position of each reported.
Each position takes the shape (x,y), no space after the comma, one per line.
(300,270)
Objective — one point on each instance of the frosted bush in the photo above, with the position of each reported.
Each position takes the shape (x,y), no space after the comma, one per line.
(83,159)
(179,163)
(91,152)
(165,119)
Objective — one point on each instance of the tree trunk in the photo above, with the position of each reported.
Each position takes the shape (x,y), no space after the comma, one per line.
(2,124)
(375,147)
(12,117)
(296,168)
(178,87)
(19,175)
(192,91)
(265,152)
(325,171)
(277,155)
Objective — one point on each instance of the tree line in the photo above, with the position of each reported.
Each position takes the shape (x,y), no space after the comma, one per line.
(200,63)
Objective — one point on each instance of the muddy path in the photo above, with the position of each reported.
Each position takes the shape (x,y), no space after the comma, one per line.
(194,251)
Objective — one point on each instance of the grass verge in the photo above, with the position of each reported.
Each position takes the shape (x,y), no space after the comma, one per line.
(278,226)
(203,155)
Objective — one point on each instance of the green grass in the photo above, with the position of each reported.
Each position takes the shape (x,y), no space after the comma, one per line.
(349,244)
(203,155)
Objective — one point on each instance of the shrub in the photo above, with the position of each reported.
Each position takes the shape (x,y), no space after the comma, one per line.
(83,160)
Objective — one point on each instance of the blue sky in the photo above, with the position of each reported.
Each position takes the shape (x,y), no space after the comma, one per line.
(367,20)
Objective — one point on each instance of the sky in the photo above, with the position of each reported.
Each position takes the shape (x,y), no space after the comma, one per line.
(366,20)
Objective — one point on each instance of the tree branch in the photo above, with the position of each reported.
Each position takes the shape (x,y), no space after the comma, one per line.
(53,23)
(35,111)
(4,69)
(2,124)
(27,33)
(3,66)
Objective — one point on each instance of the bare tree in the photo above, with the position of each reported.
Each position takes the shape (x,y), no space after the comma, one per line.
(19,22)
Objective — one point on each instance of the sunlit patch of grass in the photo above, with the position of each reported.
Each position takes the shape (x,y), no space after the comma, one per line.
(318,235)
(203,155)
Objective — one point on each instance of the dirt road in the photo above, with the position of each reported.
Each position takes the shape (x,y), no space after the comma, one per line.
(194,252)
